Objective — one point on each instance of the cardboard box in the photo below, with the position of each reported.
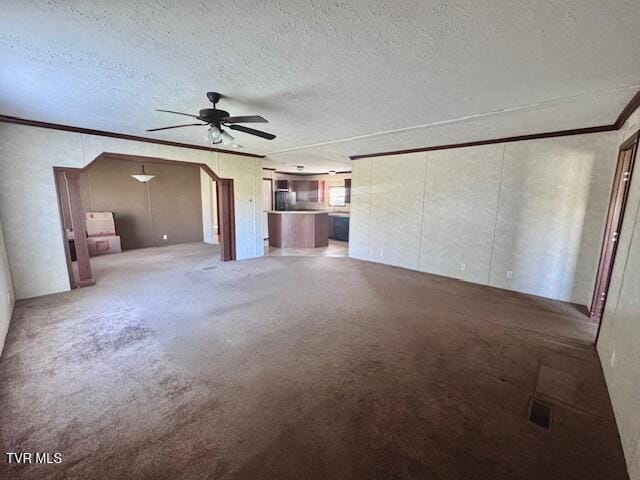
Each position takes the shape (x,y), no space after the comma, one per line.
(104,245)
(100,224)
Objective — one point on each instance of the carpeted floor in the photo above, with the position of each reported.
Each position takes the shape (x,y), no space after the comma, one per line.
(177,366)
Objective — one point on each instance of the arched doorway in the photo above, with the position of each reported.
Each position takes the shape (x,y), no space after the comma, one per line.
(70,178)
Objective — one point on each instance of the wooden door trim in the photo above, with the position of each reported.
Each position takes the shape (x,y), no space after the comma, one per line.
(57,174)
(605,272)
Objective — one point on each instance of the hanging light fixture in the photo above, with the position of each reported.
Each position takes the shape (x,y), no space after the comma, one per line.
(216,135)
(142,176)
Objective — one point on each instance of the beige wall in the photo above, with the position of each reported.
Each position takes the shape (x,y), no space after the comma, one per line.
(7,298)
(170,204)
(29,210)
(534,208)
(619,340)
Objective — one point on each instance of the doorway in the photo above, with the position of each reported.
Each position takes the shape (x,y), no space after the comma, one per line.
(179,215)
(613,226)
(267,198)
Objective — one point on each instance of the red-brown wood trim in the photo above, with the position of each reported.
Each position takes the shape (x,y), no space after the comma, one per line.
(57,173)
(606,271)
(85,277)
(140,158)
(519,138)
(631,107)
(226,219)
(123,136)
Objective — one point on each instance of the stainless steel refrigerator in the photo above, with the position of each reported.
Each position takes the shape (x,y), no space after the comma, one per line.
(285,200)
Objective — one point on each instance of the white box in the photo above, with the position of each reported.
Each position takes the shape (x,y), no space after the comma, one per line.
(103,245)
(100,224)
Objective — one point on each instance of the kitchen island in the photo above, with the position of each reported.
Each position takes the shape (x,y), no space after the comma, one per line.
(298,228)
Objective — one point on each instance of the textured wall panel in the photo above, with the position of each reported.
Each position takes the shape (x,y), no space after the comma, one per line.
(248,202)
(7,297)
(551,213)
(396,209)
(360,209)
(460,202)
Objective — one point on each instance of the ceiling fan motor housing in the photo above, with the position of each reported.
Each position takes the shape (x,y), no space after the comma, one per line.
(211,115)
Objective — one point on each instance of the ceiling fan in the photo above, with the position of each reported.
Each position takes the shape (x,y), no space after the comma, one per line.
(216,119)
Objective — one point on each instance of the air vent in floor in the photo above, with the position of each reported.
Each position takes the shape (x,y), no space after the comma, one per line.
(540,413)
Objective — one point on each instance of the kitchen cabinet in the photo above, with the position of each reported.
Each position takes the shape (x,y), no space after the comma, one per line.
(302,190)
(347,190)
(339,227)
(282,185)
(309,190)
(316,191)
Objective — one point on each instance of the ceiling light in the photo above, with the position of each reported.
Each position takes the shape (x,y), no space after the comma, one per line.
(214,135)
(300,168)
(226,138)
(332,172)
(142,176)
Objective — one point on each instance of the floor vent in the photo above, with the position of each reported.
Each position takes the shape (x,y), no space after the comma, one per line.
(540,413)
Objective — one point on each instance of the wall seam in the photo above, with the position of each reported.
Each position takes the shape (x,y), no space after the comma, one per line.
(495,223)
(424,193)
(369,216)
(150,214)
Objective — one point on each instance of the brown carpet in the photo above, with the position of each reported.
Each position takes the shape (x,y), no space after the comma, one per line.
(177,366)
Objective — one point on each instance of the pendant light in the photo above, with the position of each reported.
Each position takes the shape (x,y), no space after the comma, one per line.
(142,176)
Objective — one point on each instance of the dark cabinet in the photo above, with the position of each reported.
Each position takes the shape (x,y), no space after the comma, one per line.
(347,190)
(302,190)
(282,184)
(316,191)
(308,190)
(339,228)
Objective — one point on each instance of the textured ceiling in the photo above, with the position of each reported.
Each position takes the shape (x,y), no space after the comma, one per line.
(333,78)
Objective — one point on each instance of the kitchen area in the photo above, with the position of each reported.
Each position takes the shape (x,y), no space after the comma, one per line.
(306,214)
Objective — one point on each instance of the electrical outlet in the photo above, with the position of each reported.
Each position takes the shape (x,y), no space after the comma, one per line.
(509,274)
(613,358)
(463,266)
(164,237)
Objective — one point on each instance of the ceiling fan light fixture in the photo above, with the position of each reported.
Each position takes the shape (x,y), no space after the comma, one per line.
(226,138)
(214,135)
(142,176)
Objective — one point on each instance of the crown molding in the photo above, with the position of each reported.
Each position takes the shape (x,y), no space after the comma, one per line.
(122,136)
(633,104)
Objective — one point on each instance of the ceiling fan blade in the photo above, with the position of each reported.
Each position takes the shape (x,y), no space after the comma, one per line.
(177,126)
(178,113)
(245,119)
(251,131)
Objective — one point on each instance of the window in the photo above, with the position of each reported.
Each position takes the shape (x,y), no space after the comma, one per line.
(336,196)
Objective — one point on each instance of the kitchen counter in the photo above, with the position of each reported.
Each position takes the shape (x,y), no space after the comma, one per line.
(300,212)
(298,228)
(339,214)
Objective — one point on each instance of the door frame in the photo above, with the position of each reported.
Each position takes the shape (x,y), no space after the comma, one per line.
(611,238)
(226,212)
(272,201)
